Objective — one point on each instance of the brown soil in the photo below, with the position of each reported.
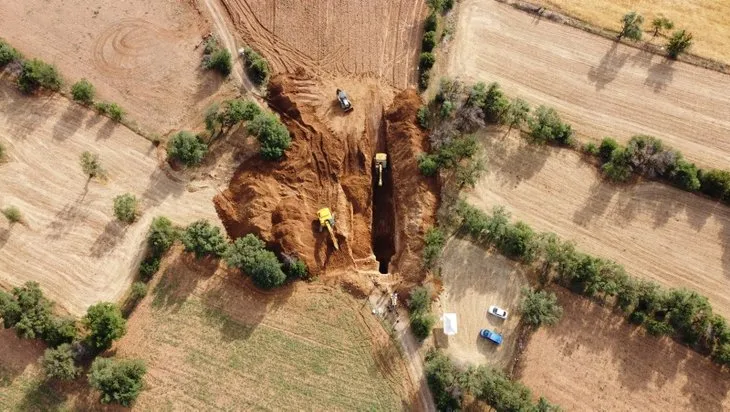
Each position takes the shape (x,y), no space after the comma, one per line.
(593,360)
(375,39)
(330,165)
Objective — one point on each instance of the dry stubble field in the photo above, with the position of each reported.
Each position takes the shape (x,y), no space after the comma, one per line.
(139,54)
(656,231)
(71,243)
(706,19)
(593,360)
(602,88)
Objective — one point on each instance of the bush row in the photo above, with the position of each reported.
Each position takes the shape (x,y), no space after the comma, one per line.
(427,59)
(449,384)
(680,313)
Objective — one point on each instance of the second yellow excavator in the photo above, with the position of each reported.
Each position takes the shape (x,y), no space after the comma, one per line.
(381,162)
(327,220)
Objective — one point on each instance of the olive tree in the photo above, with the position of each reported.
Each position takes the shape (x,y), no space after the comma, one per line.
(540,308)
(631,26)
(203,239)
(187,148)
(59,363)
(91,166)
(105,324)
(661,23)
(680,41)
(125,207)
(83,91)
(119,381)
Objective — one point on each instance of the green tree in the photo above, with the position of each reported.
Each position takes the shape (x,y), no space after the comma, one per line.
(59,363)
(256,66)
(715,183)
(684,176)
(429,41)
(161,235)
(426,61)
(83,91)
(91,166)
(431,22)
(517,114)
(119,381)
(34,317)
(297,269)
(443,379)
(631,26)
(618,169)
(115,112)
(518,242)
(660,23)
(421,324)
(605,150)
(540,308)
(219,60)
(204,239)
(138,291)
(249,254)
(434,243)
(237,111)
(105,324)
(423,116)
(125,207)
(680,41)
(36,74)
(272,135)
(60,331)
(546,126)
(12,213)
(428,165)
(8,54)
(495,103)
(187,148)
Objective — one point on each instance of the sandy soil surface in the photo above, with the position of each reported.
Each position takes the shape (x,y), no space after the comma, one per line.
(706,19)
(376,39)
(139,54)
(656,231)
(299,346)
(71,243)
(602,88)
(593,360)
(473,280)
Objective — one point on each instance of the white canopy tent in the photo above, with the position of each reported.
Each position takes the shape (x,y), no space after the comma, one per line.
(450,325)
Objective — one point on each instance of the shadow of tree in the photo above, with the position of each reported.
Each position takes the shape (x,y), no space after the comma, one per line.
(660,75)
(609,67)
(109,237)
(70,121)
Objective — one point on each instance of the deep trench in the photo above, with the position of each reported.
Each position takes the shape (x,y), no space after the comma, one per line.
(383,211)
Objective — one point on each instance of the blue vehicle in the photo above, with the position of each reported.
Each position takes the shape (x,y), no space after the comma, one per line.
(492,336)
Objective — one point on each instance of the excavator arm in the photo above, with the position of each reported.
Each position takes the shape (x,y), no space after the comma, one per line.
(380,174)
(332,235)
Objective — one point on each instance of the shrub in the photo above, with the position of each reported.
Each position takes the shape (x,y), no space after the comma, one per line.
(220,60)
(204,239)
(12,213)
(297,269)
(715,183)
(37,74)
(422,324)
(518,242)
(256,66)
(105,324)
(684,176)
(83,91)
(431,22)
(429,41)
(546,126)
(160,236)
(648,157)
(91,166)
(618,169)
(2,152)
(517,113)
(149,266)
(119,381)
(250,255)
(434,244)
(187,148)
(59,363)
(606,149)
(60,331)
(30,313)
(9,310)
(443,378)
(423,80)
(494,104)
(272,135)
(138,291)
(422,116)
(540,308)
(115,112)
(657,328)
(426,61)
(8,54)
(125,207)
(591,149)
(428,165)
(493,387)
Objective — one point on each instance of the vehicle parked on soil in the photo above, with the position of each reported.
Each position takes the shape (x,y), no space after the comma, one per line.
(491,336)
(497,311)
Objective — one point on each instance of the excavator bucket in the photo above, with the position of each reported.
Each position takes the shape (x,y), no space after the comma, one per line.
(345,103)
(381,163)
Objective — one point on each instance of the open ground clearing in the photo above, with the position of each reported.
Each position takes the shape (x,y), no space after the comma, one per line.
(474,279)
(656,231)
(70,242)
(706,19)
(601,87)
(140,54)
(379,39)
(593,360)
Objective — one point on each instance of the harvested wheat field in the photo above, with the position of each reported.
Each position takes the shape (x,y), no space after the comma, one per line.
(656,231)
(474,279)
(142,55)
(601,87)
(212,341)
(593,360)
(706,19)
(70,241)
(374,39)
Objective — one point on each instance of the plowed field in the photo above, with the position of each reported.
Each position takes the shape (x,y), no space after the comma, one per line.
(601,87)
(376,39)
(656,231)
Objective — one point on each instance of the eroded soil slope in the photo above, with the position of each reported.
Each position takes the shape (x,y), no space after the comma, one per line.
(376,39)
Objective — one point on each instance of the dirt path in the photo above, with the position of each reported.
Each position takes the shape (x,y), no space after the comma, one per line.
(656,231)
(602,88)
(71,244)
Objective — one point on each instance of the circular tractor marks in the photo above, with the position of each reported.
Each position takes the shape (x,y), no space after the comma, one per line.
(131,48)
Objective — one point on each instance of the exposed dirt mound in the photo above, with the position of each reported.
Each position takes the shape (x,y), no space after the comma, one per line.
(415,196)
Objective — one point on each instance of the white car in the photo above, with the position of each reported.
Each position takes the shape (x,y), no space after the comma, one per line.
(498,312)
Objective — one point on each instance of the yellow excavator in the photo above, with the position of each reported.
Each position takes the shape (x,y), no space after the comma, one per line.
(381,162)
(327,220)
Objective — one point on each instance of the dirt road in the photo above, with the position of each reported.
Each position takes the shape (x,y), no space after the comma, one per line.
(602,88)
(71,244)
(656,231)
(376,39)
(593,361)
